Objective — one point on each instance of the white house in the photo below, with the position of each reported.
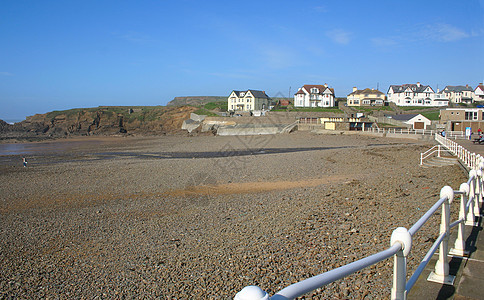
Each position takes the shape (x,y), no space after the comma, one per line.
(479,93)
(459,93)
(312,95)
(417,121)
(249,100)
(415,95)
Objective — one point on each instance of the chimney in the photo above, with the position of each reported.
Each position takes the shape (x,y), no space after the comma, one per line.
(354,89)
(418,84)
(325,85)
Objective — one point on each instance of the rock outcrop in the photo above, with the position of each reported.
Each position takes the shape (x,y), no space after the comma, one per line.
(99,121)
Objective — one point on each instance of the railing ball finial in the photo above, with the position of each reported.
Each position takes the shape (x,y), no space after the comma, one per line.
(464,187)
(402,235)
(251,292)
(448,192)
(472,173)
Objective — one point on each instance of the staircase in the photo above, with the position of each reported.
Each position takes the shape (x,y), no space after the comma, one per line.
(440,162)
(347,110)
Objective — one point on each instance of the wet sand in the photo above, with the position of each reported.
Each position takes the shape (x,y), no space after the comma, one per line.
(202,217)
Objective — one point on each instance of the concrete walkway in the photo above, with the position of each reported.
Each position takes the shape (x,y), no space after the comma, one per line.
(468,271)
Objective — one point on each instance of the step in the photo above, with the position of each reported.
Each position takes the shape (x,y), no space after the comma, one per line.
(439,162)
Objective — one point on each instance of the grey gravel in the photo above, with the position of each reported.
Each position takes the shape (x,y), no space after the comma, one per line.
(159,218)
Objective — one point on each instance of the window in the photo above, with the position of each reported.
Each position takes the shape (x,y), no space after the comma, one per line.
(470,115)
(314,90)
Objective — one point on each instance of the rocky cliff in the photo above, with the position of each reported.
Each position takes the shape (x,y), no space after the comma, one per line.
(100,121)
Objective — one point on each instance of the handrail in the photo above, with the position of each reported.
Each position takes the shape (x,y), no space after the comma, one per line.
(426,154)
(471,194)
(426,216)
(300,288)
(425,261)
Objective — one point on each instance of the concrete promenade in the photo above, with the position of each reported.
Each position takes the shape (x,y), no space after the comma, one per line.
(468,271)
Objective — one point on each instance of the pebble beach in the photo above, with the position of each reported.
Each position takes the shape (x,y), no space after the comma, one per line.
(201,217)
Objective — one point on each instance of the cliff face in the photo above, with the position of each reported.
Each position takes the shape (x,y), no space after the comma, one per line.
(100,121)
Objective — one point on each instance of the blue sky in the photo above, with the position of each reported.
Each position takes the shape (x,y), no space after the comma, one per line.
(57,55)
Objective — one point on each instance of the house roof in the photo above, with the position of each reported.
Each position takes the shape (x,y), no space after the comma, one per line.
(480,86)
(255,93)
(308,87)
(366,91)
(458,88)
(405,117)
(416,88)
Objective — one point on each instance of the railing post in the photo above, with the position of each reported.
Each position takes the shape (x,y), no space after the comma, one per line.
(478,199)
(402,236)
(441,272)
(460,244)
(470,219)
(438,153)
(481,183)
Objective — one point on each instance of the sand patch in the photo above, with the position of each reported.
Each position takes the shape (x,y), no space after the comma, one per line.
(257,187)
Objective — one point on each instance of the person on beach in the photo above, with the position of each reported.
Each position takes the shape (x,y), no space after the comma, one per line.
(24,162)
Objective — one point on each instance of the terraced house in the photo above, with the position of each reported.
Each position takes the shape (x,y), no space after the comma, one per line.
(249,100)
(366,97)
(459,93)
(415,95)
(313,95)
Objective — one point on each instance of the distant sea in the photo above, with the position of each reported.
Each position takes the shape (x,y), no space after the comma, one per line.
(12,121)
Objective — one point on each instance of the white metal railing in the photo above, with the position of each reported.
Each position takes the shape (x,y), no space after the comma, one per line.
(430,152)
(449,134)
(471,193)
(402,131)
(470,159)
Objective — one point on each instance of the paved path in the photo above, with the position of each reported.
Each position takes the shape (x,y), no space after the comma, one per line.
(469,145)
(469,271)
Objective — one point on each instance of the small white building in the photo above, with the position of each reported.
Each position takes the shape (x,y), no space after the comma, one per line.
(312,95)
(417,121)
(415,95)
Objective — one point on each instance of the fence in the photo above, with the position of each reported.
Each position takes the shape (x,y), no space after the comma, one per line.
(449,134)
(471,195)
(470,159)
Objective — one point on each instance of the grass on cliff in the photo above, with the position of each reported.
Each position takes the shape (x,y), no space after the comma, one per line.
(222,106)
